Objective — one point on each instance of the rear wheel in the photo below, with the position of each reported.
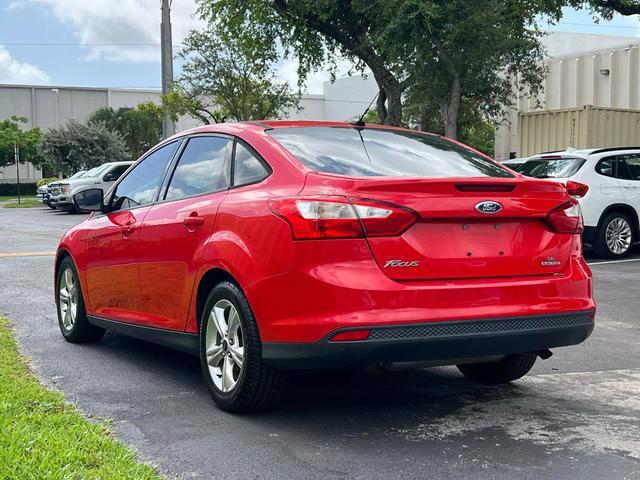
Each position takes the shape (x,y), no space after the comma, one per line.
(72,317)
(231,353)
(615,236)
(511,367)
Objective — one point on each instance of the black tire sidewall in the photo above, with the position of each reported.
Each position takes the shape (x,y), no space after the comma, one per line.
(71,335)
(82,331)
(252,351)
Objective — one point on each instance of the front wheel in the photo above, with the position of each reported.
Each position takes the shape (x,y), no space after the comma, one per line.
(507,369)
(231,353)
(614,237)
(72,317)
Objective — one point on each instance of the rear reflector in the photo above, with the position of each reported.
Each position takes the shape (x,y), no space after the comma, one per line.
(577,189)
(340,217)
(479,187)
(351,336)
(566,218)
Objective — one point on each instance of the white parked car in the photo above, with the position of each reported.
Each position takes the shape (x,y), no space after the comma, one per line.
(102,177)
(611,204)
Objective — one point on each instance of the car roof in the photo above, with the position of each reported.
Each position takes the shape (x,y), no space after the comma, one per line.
(581,153)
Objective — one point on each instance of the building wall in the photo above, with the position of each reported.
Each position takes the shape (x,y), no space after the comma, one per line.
(575,81)
(45,108)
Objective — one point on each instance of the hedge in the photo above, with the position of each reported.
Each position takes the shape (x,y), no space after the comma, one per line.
(12,188)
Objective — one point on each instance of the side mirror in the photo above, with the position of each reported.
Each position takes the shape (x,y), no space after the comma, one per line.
(110,177)
(89,200)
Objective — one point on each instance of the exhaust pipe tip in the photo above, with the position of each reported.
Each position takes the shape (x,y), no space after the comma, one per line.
(544,354)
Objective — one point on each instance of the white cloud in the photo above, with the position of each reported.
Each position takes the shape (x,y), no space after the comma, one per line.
(12,71)
(14,5)
(105,22)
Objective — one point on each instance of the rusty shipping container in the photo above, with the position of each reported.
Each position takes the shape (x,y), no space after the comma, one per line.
(586,127)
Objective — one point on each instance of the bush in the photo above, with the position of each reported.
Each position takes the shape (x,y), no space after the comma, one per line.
(12,189)
(45,181)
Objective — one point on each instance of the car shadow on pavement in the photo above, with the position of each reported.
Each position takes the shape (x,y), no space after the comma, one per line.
(308,394)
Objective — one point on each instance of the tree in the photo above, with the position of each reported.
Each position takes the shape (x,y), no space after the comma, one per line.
(317,33)
(27,140)
(140,127)
(607,8)
(219,81)
(451,49)
(81,146)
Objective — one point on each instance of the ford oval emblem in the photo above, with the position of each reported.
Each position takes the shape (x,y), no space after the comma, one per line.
(488,206)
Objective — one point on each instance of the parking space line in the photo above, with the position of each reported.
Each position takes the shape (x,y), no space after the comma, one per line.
(27,254)
(614,261)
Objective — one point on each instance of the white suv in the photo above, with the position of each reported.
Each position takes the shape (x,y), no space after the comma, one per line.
(611,205)
(100,177)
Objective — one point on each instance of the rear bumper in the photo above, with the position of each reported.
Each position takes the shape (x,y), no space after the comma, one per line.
(437,341)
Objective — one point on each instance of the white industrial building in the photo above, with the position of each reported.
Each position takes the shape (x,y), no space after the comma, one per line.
(49,106)
(583,70)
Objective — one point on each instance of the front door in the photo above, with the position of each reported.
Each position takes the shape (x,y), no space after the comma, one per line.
(113,278)
(113,243)
(175,232)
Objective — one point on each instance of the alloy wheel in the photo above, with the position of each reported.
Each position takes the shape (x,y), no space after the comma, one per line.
(68,299)
(224,343)
(618,235)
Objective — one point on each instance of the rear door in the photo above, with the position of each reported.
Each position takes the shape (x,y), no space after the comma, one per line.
(176,230)
(629,173)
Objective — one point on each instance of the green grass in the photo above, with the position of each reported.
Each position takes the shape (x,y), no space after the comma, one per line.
(25,202)
(43,437)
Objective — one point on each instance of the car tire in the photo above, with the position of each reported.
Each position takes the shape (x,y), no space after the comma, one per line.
(231,361)
(509,368)
(72,316)
(614,237)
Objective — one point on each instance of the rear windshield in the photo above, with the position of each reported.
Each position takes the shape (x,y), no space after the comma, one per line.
(365,152)
(551,168)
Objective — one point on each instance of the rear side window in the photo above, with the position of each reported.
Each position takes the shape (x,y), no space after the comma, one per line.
(605,167)
(246,166)
(202,168)
(366,152)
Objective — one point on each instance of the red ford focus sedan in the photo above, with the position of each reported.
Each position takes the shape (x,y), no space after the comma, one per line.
(263,247)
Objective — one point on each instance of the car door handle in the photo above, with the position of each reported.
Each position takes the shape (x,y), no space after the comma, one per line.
(127,229)
(193,221)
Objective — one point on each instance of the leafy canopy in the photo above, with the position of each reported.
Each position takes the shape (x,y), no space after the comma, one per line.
(140,127)
(81,146)
(27,140)
(220,81)
(447,50)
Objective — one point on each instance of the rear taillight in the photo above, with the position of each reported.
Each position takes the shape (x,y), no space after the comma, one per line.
(566,218)
(339,217)
(577,189)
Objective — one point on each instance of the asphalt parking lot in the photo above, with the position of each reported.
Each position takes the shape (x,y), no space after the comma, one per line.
(576,416)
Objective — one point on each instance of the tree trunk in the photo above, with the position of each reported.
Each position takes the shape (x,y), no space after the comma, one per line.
(389,103)
(450,108)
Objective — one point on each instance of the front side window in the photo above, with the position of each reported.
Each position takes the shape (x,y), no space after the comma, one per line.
(247,168)
(141,184)
(629,166)
(202,168)
(365,152)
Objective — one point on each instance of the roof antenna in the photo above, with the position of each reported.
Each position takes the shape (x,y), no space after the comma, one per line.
(360,121)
